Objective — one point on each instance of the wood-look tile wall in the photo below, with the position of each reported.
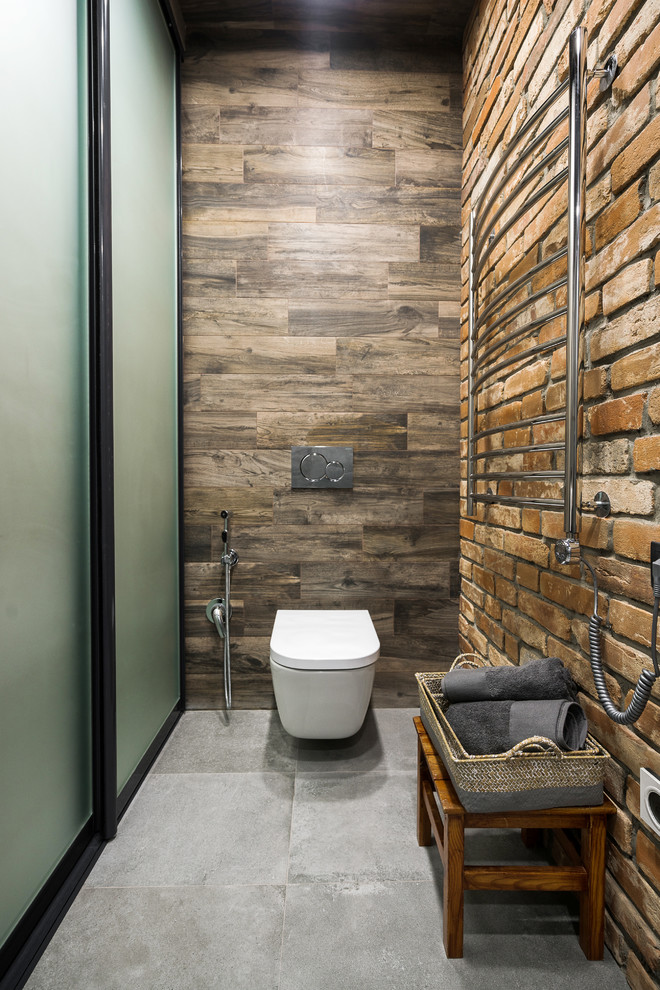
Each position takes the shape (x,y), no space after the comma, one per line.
(321,203)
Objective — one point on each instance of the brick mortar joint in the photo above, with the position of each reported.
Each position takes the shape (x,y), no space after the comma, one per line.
(625,687)
(608,597)
(572,644)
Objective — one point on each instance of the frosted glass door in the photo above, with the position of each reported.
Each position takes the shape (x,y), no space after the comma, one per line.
(45,706)
(144,228)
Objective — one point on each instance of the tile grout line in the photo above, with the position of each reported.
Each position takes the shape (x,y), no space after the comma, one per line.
(288,862)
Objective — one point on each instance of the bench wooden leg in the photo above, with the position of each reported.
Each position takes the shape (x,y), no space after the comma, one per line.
(424,833)
(592,900)
(452,916)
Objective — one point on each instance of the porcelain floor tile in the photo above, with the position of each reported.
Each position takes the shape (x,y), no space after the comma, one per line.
(201,829)
(388,936)
(237,742)
(357,827)
(192,938)
(385,742)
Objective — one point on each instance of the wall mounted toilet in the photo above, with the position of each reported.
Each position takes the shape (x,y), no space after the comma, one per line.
(323,664)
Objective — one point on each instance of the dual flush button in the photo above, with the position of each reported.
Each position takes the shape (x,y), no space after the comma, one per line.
(321,467)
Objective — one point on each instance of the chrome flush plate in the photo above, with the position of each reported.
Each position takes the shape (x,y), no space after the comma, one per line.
(321,467)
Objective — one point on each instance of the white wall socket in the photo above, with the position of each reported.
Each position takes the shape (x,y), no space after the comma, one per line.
(649,799)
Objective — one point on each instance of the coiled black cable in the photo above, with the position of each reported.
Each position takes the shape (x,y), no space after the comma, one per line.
(646,679)
(644,685)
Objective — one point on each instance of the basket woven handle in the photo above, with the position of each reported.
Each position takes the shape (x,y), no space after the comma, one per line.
(535,744)
(465,660)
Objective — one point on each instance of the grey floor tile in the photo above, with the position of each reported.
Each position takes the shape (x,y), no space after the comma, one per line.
(372,936)
(233,742)
(516,961)
(500,845)
(201,829)
(388,936)
(191,895)
(192,938)
(349,826)
(386,741)
(509,912)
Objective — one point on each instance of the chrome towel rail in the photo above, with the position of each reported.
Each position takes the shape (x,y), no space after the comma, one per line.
(517,319)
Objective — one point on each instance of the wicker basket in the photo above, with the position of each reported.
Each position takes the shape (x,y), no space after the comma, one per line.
(534,774)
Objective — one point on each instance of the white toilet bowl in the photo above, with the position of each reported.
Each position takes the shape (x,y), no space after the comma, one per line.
(323,665)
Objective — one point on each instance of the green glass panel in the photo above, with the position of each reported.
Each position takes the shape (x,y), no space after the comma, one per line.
(142,71)
(45,736)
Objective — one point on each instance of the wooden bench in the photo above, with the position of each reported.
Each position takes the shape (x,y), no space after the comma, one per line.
(584,874)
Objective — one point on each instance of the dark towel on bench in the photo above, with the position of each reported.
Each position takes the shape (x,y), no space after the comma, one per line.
(547,678)
(495,726)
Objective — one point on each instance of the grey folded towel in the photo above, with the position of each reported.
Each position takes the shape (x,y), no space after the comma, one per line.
(546,678)
(495,726)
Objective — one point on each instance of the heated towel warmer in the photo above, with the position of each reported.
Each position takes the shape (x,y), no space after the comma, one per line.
(522,319)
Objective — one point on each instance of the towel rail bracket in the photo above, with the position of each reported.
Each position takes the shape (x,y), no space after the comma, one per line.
(601,505)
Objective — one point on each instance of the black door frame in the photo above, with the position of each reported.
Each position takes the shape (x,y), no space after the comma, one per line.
(104,687)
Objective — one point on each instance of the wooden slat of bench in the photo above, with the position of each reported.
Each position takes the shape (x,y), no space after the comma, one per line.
(550,818)
(449,800)
(524,877)
(433,762)
(567,847)
(437,827)
(592,899)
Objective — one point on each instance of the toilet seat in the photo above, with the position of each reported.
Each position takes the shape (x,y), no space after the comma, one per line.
(320,639)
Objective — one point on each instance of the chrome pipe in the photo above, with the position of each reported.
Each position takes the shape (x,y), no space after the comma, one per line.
(472,343)
(497,301)
(518,424)
(229,559)
(493,241)
(525,153)
(227,643)
(540,166)
(517,475)
(525,129)
(546,345)
(510,315)
(502,451)
(575,286)
(539,503)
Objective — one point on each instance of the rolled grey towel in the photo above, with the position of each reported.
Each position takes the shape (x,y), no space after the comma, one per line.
(538,679)
(495,726)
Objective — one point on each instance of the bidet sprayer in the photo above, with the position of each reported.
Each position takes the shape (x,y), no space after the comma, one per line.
(229,556)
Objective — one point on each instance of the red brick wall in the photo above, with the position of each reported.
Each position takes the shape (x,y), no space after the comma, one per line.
(515,601)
